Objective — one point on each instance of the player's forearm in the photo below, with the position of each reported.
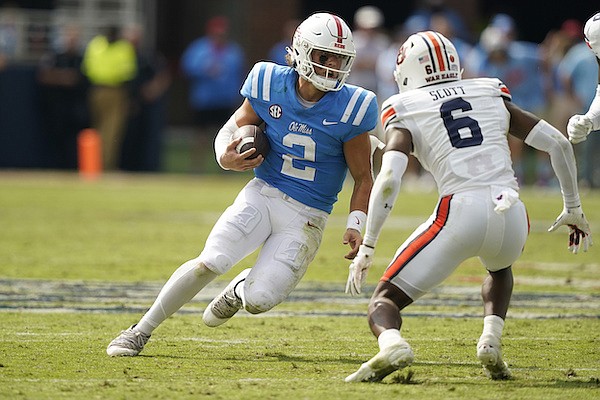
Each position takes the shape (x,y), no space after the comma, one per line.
(546,138)
(384,194)
(223,139)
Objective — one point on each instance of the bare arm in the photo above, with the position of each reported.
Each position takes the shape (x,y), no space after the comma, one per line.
(521,121)
(384,193)
(357,152)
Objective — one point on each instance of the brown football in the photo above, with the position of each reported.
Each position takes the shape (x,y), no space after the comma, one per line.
(252,136)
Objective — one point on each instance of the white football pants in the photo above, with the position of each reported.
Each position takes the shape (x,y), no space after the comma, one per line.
(463,225)
(290,234)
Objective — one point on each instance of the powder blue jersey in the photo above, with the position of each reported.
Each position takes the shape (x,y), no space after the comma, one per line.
(306,160)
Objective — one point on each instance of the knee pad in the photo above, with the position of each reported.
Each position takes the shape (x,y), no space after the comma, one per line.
(259,301)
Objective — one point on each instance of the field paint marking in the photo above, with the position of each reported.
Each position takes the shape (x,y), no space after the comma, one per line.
(33,295)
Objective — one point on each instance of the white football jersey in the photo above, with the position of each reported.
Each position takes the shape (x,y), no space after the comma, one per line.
(591,31)
(459,132)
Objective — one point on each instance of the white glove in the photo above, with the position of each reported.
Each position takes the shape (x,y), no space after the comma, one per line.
(578,128)
(579,229)
(357,273)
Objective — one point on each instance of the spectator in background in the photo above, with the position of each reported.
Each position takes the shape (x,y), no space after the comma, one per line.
(441,22)
(109,62)
(278,52)
(426,9)
(519,65)
(143,141)
(215,67)
(415,178)
(563,101)
(370,42)
(578,74)
(64,98)
(9,33)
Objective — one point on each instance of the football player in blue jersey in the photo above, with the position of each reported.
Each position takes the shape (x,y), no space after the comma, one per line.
(318,129)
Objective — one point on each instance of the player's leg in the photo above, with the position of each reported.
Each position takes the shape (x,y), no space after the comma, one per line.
(239,231)
(423,261)
(295,236)
(507,235)
(181,287)
(495,292)
(385,322)
(285,256)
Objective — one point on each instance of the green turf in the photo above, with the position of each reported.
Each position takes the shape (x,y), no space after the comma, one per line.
(137,228)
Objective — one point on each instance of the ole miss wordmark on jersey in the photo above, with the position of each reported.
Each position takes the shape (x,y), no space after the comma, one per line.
(306,160)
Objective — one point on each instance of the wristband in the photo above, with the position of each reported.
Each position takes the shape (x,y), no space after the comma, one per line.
(356,220)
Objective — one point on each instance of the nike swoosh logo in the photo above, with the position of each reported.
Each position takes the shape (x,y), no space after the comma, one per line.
(325,122)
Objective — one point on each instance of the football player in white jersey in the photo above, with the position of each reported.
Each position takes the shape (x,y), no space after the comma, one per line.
(318,129)
(458,130)
(580,126)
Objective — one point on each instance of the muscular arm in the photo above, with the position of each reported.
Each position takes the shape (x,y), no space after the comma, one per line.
(521,121)
(357,152)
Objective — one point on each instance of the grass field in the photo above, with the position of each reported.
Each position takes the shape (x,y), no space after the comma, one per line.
(81,260)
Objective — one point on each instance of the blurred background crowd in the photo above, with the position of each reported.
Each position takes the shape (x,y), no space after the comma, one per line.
(157,78)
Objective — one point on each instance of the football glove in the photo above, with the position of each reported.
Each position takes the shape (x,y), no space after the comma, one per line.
(579,229)
(358,269)
(578,128)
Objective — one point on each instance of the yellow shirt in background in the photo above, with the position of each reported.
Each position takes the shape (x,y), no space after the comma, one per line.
(109,64)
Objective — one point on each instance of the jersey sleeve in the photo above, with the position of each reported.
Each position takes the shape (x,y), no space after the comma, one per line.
(361,113)
(497,86)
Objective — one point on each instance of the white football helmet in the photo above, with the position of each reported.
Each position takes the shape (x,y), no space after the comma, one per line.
(326,32)
(591,31)
(424,59)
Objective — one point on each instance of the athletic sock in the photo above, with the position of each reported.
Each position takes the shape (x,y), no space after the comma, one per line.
(493,325)
(389,337)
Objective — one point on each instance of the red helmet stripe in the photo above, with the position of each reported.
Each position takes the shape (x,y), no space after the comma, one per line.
(438,50)
(340,28)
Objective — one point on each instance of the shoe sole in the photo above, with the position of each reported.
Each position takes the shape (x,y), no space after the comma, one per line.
(494,367)
(119,352)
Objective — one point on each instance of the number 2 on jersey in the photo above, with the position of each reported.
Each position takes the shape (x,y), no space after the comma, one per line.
(288,168)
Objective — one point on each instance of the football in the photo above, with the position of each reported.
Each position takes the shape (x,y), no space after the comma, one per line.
(252,136)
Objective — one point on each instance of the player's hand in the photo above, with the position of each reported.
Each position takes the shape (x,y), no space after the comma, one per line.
(235,161)
(579,229)
(358,270)
(578,128)
(353,238)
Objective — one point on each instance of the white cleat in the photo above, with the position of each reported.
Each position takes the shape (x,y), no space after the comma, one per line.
(129,343)
(489,353)
(226,304)
(385,362)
